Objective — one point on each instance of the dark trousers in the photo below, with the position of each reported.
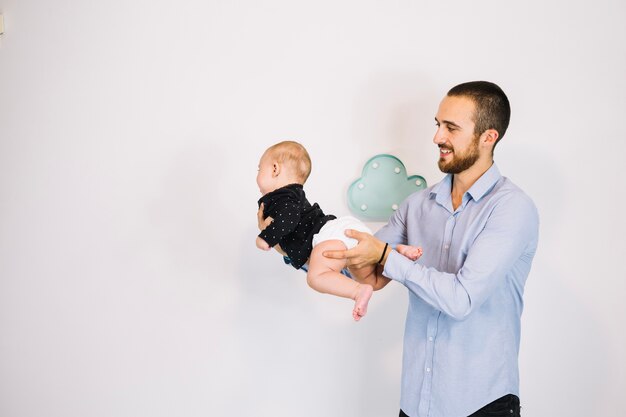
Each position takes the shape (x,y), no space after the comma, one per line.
(505,406)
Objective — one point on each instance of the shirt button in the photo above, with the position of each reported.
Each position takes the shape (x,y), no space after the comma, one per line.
(430,339)
(446,247)
(427,369)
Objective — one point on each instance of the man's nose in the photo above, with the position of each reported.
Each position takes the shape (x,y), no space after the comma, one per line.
(439,137)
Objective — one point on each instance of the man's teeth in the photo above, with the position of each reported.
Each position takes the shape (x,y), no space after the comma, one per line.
(446,151)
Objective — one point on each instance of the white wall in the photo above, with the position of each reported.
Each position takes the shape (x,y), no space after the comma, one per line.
(130,133)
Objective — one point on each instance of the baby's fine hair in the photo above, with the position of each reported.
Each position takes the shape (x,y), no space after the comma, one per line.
(294,155)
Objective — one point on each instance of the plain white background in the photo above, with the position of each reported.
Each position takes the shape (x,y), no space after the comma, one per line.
(130,133)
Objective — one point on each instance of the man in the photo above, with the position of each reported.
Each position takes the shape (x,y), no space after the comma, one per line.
(479,235)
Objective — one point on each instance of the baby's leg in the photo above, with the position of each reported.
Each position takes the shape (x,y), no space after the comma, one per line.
(411,252)
(324,276)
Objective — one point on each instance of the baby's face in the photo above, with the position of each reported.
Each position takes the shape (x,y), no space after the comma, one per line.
(265,179)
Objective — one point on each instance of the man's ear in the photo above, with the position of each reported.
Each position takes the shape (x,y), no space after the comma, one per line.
(489,137)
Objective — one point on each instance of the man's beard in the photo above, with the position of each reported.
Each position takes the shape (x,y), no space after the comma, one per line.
(460,163)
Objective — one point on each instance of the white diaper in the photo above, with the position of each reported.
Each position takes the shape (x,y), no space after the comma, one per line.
(334,230)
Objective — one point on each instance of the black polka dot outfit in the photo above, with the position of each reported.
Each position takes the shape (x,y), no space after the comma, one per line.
(295,222)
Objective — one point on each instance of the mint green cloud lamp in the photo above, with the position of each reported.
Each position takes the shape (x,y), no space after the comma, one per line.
(383,185)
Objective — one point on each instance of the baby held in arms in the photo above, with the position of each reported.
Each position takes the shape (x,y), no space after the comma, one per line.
(302,231)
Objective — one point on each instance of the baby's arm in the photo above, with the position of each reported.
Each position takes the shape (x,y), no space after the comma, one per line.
(265,223)
(262,244)
(411,252)
(285,220)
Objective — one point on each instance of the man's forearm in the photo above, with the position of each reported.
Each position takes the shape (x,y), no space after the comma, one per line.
(371,275)
(380,280)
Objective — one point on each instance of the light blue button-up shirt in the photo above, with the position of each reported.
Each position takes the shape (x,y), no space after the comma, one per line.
(462,334)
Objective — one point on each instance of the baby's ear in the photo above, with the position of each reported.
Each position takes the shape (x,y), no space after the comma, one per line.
(275,169)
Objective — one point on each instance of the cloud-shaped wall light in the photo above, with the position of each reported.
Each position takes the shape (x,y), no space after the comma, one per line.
(382,187)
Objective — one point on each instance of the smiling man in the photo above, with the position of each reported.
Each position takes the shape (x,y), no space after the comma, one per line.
(479,235)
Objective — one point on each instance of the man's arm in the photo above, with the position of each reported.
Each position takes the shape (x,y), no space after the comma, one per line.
(370,249)
(368,252)
(506,240)
(363,259)
(370,275)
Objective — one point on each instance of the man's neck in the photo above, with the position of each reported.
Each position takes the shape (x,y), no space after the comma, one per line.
(463,181)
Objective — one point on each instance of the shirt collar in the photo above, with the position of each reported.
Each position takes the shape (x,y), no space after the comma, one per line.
(485,183)
(478,190)
(441,191)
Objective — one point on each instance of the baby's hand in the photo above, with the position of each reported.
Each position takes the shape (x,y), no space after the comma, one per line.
(262,223)
(411,252)
(262,244)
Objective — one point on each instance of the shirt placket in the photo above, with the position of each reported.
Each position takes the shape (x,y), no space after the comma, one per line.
(431,337)
(447,242)
(431,328)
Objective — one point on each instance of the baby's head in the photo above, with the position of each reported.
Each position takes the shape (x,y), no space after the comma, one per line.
(282,164)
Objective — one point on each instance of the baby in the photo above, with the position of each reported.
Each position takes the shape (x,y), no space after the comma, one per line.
(303,232)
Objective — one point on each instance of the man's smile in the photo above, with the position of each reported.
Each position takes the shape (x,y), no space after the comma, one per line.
(444,151)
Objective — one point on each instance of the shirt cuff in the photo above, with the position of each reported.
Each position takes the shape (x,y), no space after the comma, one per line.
(397,267)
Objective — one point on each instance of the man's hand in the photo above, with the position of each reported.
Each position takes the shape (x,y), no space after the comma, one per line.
(367,252)
(263,223)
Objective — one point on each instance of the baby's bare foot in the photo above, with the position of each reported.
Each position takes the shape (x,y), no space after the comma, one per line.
(364,293)
(411,252)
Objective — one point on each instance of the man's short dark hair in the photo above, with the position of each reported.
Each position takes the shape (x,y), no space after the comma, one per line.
(493,110)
